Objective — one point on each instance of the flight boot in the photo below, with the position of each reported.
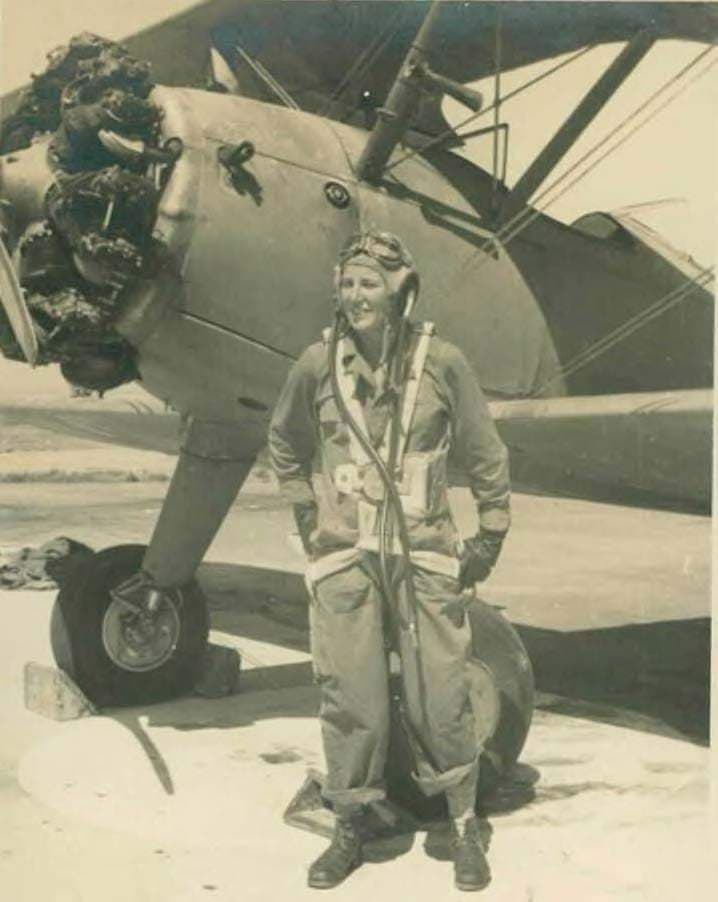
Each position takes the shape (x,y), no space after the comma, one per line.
(337,862)
(471,868)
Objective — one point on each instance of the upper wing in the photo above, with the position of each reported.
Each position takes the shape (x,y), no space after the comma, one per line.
(647,447)
(340,58)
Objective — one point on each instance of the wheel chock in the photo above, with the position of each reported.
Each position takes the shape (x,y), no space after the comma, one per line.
(379,820)
(51,693)
(308,810)
(219,675)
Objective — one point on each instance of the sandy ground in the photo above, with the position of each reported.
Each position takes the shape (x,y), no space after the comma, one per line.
(184,801)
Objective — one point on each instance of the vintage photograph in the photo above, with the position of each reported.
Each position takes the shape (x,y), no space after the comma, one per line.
(356,449)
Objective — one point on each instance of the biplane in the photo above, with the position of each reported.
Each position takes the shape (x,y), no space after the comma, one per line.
(271,133)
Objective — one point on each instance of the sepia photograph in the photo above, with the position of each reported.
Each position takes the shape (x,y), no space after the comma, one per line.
(356,450)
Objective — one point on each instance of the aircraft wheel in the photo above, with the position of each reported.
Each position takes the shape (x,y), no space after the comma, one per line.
(114,656)
(502,698)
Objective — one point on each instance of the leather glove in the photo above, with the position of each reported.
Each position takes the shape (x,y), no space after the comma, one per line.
(305,516)
(480,554)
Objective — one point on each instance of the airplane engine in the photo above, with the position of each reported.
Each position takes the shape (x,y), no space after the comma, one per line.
(79,205)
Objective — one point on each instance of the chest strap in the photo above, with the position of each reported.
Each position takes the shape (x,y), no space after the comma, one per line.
(412,388)
(348,390)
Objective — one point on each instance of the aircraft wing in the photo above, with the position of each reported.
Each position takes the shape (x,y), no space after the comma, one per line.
(127,417)
(645,448)
(340,58)
(650,448)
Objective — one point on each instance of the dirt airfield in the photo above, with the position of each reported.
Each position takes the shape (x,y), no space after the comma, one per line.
(184,800)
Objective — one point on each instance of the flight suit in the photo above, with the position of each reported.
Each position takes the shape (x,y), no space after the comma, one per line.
(353,623)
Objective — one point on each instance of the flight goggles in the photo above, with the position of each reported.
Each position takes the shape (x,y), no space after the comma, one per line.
(384,247)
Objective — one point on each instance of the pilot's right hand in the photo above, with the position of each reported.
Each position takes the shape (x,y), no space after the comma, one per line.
(305,516)
(479,557)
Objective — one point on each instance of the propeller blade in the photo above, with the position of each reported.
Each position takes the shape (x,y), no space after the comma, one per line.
(15,307)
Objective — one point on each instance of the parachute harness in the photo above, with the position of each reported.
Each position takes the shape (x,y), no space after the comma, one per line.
(392,512)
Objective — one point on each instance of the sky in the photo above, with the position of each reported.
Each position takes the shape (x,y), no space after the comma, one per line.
(672,157)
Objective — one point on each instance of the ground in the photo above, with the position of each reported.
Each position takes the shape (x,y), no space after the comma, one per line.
(184,800)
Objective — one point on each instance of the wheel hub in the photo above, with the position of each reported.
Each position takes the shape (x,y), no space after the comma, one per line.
(140,640)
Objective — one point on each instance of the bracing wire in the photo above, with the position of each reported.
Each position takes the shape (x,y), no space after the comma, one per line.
(527,212)
(629,134)
(516,225)
(450,132)
(534,213)
(375,56)
(366,58)
(526,216)
(266,76)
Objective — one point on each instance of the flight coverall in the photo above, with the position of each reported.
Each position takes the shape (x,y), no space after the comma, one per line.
(352,622)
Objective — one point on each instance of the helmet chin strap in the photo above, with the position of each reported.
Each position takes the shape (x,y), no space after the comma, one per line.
(411,296)
(395,337)
(400,343)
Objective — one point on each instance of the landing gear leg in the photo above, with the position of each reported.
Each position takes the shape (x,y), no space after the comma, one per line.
(130,625)
(214,462)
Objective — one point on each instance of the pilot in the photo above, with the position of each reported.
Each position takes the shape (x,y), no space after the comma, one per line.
(386,579)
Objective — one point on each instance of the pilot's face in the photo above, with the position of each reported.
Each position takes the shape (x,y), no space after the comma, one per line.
(365,298)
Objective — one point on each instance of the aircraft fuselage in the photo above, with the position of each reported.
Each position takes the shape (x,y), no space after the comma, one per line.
(254,250)
(253,246)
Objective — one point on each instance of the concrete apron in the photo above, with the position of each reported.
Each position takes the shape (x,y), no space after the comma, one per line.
(595,811)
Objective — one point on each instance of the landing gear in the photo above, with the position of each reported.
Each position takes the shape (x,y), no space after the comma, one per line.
(130,625)
(127,650)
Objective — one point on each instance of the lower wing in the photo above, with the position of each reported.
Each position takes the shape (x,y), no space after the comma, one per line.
(129,418)
(648,448)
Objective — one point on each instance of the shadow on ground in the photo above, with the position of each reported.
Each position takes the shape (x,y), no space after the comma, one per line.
(657,674)
(652,677)
(235,712)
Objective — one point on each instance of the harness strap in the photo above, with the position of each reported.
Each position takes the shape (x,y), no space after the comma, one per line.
(347,387)
(367,511)
(412,389)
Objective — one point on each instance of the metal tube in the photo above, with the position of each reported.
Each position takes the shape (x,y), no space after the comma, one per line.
(401,104)
(497,108)
(213,463)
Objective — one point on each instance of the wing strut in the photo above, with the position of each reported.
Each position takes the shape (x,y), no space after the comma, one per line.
(580,118)
(497,113)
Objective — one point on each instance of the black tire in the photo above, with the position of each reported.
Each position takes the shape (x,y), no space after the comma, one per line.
(76,634)
(497,645)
